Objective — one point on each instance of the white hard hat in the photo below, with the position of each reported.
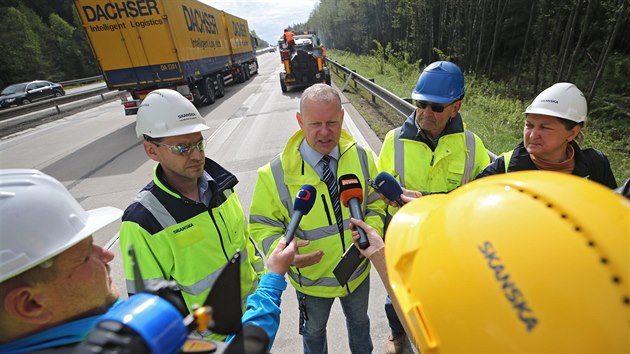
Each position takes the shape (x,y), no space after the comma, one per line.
(563,100)
(39,219)
(165,113)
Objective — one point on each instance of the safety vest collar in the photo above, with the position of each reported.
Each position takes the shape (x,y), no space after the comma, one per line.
(409,130)
(293,164)
(346,142)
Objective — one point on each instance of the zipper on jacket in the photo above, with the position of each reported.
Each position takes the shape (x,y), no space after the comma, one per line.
(299,276)
(326,209)
(220,236)
(343,247)
(226,227)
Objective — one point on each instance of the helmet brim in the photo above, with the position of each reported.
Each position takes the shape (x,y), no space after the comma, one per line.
(181,131)
(549,112)
(96,220)
(430,98)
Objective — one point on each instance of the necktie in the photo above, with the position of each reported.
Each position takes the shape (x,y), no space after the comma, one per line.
(329,178)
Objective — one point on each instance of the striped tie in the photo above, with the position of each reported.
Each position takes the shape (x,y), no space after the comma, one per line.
(329,178)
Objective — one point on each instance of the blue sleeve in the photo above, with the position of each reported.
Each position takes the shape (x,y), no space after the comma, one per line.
(263,306)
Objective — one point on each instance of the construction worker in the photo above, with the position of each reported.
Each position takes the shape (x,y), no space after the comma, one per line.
(549,275)
(188,222)
(553,126)
(54,282)
(432,152)
(319,153)
(289,41)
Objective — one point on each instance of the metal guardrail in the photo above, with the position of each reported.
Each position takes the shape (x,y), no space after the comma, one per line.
(52,102)
(401,106)
(398,104)
(85,80)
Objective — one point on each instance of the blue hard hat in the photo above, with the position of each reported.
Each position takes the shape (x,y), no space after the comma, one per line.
(440,82)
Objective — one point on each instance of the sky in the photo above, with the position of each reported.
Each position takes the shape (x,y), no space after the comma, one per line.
(267,17)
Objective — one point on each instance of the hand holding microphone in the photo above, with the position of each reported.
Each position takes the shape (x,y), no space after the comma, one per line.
(302,204)
(351,196)
(389,187)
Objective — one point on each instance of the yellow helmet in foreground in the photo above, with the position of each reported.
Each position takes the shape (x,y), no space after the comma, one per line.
(521,262)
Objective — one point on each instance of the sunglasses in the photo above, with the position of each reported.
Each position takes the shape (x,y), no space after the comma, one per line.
(184,149)
(434,107)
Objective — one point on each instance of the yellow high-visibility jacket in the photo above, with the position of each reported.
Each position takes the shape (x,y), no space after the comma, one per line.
(456,159)
(178,239)
(272,207)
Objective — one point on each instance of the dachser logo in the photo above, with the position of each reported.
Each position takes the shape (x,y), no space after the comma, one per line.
(549,101)
(120,9)
(180,229)
(200,21)
(511,292)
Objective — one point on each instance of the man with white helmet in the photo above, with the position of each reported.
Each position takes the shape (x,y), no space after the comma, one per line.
(188,222)
(54,282)
(553,126)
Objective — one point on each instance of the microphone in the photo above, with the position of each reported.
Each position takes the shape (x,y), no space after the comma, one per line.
(388,186)
(251,340)
(351,196)
(303,203)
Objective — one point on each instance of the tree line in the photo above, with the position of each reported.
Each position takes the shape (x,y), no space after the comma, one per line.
(42,39)
(531,43)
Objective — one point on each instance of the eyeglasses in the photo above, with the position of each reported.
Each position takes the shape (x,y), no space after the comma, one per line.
(184,149)
(434,107)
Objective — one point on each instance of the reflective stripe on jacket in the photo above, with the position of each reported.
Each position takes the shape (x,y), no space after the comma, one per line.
(272,207)
(457,158)
(178,239)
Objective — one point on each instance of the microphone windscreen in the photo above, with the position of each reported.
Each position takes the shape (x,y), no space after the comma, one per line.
(250,340)
(256,340)
(350,187)
(388,186)
(305,199)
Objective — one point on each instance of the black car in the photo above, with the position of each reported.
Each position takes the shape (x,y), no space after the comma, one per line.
(27,92)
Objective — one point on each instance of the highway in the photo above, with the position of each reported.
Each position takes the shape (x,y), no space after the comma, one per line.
(97,156)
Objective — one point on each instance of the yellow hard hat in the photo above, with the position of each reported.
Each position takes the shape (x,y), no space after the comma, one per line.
(521,262)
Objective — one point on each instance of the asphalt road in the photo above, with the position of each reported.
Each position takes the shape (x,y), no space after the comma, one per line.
(97,156)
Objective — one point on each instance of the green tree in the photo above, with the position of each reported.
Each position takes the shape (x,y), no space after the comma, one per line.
(68,55)
(24,61)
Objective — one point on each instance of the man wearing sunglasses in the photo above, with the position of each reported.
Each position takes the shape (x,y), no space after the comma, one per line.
(188,222)
(432,152)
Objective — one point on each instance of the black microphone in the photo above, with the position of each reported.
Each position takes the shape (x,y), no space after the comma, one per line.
(389,187)
(303,203)
(351,196)
(251,340)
